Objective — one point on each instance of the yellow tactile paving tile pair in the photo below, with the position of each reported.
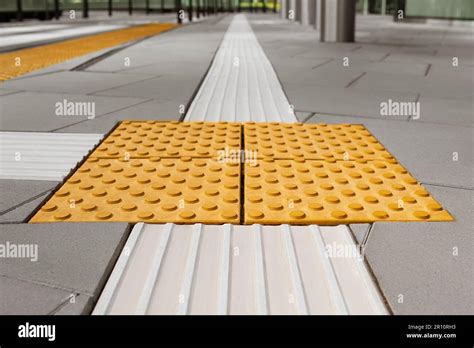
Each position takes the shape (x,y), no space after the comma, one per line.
(174,172)
(20,62)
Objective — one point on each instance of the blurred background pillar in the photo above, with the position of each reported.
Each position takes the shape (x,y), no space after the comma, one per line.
(338,20)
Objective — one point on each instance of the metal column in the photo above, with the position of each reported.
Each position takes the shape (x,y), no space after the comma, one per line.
(19,10)
(312,12)
(338,18)
(85,8)
(298,9)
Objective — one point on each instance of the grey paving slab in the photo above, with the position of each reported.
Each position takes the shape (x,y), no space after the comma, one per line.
(25,298)
(429,86)
(446,111)
(302,115)
(342,101)
(161,88)
(22,212)
(150,110)
(72,256)
(33,111)
(360,231)
(75,82)
(15,192)
(427,150)
(428,266)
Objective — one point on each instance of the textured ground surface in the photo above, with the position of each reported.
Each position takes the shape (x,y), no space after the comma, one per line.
(421,267)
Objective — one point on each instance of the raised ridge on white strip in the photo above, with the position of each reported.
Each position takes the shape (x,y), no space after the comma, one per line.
(42,156)
(241,84)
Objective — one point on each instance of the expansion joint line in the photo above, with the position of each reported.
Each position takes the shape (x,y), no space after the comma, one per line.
(242,175)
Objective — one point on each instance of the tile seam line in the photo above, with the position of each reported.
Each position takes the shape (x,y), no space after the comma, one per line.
(29,200)
(63,304)
(377,285)
(102,115)
(324,113)
(122,85)
(48,285)
(448,186)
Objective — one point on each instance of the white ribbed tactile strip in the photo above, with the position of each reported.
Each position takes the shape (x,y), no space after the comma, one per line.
(42,156)
(241,84)
(209,269)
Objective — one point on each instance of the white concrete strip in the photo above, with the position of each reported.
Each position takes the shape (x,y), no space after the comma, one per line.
(31,29)
(260,282)
(32,38)
(272,270)
(184,293)
(241,84)
(42,156)
(336,296)
(299,295)
(149,285)
(115,278)
(224,272)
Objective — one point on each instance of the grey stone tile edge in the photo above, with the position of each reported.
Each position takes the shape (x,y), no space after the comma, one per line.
(86,301)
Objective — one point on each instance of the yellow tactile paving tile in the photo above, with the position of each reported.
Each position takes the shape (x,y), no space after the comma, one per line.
(313,141)
(320,192)
(156,190)
(143,139)
(20,62)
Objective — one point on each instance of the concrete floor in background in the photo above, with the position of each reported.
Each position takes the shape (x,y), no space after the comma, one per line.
(402,62)
(422,268)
